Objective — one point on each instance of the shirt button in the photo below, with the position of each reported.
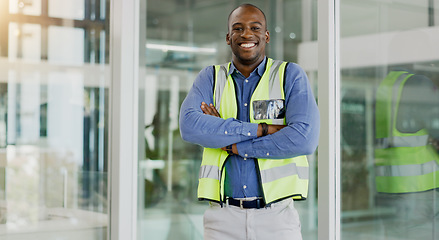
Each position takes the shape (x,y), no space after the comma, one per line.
(245,186)
(245,158)
(245,104)
(246,80)
(225,132)
(245,155)
(249,134)
(268,154)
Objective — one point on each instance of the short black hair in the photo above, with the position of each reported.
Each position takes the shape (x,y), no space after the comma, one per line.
(246,5)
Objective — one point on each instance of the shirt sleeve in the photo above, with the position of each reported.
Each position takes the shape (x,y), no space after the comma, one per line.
(300,137)
(205,130)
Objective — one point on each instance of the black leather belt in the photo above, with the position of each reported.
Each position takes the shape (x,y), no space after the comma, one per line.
(244,204)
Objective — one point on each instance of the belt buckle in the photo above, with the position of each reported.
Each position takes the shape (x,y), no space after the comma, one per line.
(240,203)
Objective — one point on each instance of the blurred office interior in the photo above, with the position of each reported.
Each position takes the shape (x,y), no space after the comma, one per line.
(58,60)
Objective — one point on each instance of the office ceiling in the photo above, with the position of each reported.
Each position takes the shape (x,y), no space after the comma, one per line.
(203,23)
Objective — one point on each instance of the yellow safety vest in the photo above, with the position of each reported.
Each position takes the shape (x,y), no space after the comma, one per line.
(404,162)
(280,178)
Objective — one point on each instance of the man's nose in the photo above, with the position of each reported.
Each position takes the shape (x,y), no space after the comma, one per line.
(247,32)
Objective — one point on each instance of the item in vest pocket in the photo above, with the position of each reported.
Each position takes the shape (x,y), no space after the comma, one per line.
(269,109)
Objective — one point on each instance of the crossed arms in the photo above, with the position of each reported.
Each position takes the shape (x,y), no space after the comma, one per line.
(298,137)
(209,109)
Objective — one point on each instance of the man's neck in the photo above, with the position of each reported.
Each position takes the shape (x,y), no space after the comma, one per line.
(246,69)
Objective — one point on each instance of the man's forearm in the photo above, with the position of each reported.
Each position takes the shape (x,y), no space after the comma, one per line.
(209,109)
(297,139)
(271,129)
(209,131)
(287,143)
(262,131)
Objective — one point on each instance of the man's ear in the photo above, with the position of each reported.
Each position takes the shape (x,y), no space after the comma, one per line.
(228,39)
(267,36)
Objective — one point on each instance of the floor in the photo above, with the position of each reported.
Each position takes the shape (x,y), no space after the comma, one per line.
(169,221)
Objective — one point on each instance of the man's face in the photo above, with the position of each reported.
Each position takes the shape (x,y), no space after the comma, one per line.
(247,35)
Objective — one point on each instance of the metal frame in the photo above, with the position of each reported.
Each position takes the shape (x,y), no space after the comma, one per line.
(124,62)
(89,26)
(124,119)
(329,105)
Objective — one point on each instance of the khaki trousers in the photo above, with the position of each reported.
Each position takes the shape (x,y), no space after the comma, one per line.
(278,222)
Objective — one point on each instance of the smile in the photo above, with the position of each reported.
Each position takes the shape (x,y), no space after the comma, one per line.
(247,45)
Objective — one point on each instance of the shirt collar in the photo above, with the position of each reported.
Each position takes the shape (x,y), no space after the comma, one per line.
(260,69)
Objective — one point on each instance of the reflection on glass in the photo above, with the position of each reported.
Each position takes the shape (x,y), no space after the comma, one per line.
(53,115)
(181,39)
(70,9)
(28,7)
(59,37)
(29,36)
(390,116)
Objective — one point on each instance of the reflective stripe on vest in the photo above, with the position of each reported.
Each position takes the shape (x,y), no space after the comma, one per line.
(407,170)
(280,178)
(404,162)
(209,171)
(407,141)
(275,173)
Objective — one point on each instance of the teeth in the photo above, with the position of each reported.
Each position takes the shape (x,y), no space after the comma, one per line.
(247,45)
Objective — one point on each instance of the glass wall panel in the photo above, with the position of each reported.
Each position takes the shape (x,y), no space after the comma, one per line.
(54,84)
(389,119)
(178,39)
(71,9)
(25,7)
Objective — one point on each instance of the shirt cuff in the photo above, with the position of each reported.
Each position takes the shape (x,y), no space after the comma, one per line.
(245,149)
(249,130)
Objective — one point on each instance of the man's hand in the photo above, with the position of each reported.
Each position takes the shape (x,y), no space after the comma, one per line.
(274,128)
(271,129)
(209,109)
(234,149)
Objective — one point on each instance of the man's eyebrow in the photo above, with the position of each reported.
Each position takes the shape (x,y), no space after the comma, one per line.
(238,23)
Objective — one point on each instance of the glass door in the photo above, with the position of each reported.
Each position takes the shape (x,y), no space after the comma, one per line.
(389,119)
(181,39)
(54,84)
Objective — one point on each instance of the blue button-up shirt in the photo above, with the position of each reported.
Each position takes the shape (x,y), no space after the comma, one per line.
(300,137)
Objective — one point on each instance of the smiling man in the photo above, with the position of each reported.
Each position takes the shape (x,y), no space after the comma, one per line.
(257,119)
(247,37)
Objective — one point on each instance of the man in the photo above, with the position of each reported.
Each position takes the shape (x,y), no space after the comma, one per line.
(406,154)
(257,119)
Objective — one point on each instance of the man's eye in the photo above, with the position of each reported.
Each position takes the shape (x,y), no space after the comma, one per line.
(256,28)
(237,29)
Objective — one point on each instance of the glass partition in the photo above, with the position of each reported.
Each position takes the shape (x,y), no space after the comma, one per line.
(54,84)
(389,119)
(182,38)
